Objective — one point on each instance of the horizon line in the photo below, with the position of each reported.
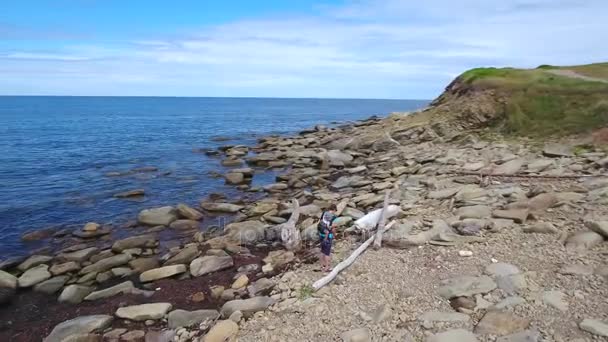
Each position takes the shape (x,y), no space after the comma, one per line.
(224,97)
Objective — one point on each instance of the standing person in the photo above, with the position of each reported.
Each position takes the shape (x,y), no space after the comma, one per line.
(326,230)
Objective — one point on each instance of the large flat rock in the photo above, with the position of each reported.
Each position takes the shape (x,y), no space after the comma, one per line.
(464,286)
(247,306)
(79,326)
(144,312)
(162,272)
(210,263)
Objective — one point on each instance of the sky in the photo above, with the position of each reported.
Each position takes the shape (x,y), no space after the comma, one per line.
(403,49)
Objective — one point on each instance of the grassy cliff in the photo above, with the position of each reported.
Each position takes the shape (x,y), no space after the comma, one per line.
(538,102)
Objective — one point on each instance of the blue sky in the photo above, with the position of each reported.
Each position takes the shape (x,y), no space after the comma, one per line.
(295,48)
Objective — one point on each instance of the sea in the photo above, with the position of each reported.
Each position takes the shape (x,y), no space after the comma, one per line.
(56,152)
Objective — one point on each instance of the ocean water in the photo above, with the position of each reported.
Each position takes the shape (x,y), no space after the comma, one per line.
(55,151)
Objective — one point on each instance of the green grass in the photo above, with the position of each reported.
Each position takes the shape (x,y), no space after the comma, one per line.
(538,103)
(305,292)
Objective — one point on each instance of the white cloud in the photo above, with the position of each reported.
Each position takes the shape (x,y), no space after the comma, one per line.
(385,48)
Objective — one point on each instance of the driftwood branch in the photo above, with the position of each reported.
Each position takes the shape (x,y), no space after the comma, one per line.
(346,263)
(290,235)
(382,221)
(520,175)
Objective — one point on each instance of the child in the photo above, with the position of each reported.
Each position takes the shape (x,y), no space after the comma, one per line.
(326,236)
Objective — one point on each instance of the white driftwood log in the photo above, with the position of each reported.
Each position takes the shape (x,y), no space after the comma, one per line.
(370,220)
(344,264)
(290,235)
(382,221)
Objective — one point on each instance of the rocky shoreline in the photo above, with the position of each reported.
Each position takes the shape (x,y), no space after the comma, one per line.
(482,199)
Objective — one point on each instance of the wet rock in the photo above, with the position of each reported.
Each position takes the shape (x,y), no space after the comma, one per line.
(221,207)
(162,272)
(74,294)
(79,256)
(131,193)
(208,264)
(235,178)
(185,225)
(8,280)
(36,235)
(595,327)
(10,262)
(501,323)
(70,266)
(34,276)
(143,264)
(162,216)
(222,331)
(185,256)
(464,286)
(141,241)
(6,295)
(247,306)
(91,227)
(79,326)
(51,285)
(144,312)
(581,241)
(455,335)
(91,234)
(34,261)
(183,318)
(357,335)
(107,264)
(185,211)
(125,287)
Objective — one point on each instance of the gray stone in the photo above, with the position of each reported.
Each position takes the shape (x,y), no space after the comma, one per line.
(185,225)
(532,335)
(542,202)
(509,168)
(558,150)
(357,335)
(125,287)
(8,280)
(581,241)
(107,264)
(595,327)
(247,306)
(185,211)
(246,232)
(133,336)
(74,294)
(260,286)
(222,331)
(51,285)
(221,207)
(555,299)
(209,263)
(539,165)
(162,216)
(183,318)
(443,193)
(600,227)
(160,336)
(501,323)
(34,276)
(161,273)
(143,264)
(141,241)
(464,286)
(276,187)
(34,261)
(66,267)
(455,335)
(517,215)
(79,326)
(512,284)
(79,256)
(474,212)
(144,312)
(185,256)
(508,302)
(501,269)
(235,178)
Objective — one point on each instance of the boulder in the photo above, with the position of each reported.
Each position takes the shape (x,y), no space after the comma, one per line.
(279,258)
(210,263)
(161,273)
(455,335)
(246,232)
(357,335)
(79,256)
(107,263)
(141,265)
(125,287)
(66,267)
(74,294)
(34,261)
(91,227)
(185,256)
(185,225)
(51,285)
(247,306)
(34,276)
(221,207)
(501,323)
(183,318)
(465,286)
(144,312)
(162,216)
(581,241)
(141,241)
(222,331)
(260,287)
(262,208)
(235,178)
(8,280)
(183,210)
(78,326)
(595,327)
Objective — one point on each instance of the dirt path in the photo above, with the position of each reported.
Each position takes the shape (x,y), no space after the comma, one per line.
(574,74)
